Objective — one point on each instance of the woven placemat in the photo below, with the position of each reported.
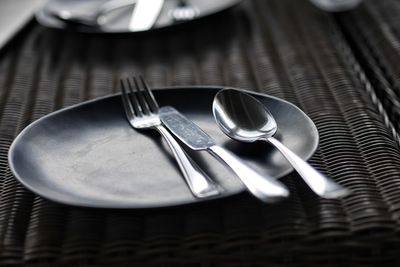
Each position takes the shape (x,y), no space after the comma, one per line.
(284,48)
(373,32)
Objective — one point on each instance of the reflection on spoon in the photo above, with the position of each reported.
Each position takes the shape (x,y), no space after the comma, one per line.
(244,118)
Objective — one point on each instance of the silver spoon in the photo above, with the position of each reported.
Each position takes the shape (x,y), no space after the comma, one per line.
(244,118)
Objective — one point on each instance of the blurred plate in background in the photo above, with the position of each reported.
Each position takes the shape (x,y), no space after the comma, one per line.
(119,20)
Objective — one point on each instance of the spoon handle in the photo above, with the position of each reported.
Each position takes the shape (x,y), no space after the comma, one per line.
(320,184)
(265,188)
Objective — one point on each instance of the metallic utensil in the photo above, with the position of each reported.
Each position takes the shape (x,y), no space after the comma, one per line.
(244,118)
(184,11)
(145,14)
(336,5)
(96,19)
(265,188)
(142,111)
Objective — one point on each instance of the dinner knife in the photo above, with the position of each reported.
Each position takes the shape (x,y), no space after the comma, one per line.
(263,187)
(145,14)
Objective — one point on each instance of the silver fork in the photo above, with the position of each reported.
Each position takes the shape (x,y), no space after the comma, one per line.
(141,109)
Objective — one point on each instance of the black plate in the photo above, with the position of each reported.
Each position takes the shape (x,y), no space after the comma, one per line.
(121,24)
(88,155)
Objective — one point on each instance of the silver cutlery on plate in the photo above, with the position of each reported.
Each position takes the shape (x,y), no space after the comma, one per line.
(243,118)
(263,187)
(142,112)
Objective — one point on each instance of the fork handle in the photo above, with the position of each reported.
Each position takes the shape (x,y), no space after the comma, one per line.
(199,183)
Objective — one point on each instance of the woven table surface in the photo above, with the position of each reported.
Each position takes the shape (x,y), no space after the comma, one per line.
(342,70)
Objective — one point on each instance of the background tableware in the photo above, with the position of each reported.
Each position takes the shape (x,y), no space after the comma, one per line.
(119,20)
(242,117)
(95,18)
(14,15)
(86,155)
(145,14)
(184,11)
(142,112)
(261,186)
(336,5)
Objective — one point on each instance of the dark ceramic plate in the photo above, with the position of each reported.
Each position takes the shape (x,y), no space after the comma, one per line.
(120,19)
(88,155)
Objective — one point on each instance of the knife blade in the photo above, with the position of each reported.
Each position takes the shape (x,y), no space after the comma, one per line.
(145,14)
(263,187)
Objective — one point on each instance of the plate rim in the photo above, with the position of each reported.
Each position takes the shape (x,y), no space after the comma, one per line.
(11,151)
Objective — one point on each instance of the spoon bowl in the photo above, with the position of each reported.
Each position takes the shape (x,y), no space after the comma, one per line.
(243,118)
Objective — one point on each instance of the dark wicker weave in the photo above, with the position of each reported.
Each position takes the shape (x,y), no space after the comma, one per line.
(334,67)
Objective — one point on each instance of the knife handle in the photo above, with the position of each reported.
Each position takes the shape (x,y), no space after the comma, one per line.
(265,188)
(199,183)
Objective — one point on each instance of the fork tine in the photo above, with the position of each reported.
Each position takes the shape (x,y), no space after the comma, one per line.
(134,100)
(129,111)
(142,100)
(151,100)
